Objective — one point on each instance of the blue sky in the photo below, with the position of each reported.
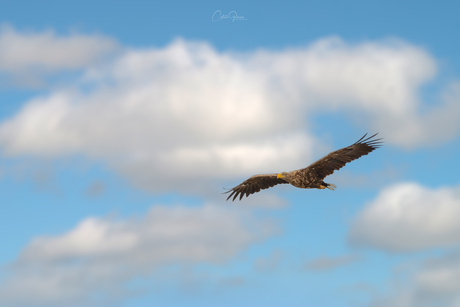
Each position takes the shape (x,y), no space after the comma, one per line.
(120,122)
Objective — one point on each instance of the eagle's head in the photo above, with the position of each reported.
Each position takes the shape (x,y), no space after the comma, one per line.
(282,175)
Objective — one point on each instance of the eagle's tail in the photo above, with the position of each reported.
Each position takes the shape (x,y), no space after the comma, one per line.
(331,186)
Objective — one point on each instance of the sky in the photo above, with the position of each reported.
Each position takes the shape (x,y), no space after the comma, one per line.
(121,122)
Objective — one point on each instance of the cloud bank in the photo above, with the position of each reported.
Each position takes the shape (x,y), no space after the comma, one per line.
(26,57)
(409,217)
(101,256)
(179,117)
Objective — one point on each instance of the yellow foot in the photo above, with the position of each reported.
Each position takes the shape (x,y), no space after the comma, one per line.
(322,187)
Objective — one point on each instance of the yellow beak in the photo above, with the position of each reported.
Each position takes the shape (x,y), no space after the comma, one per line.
(279,176)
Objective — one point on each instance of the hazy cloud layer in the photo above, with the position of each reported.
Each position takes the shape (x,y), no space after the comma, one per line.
(26,56)
(96,188)
(326,263)
(170,118)
(434,283)
(270,262)
(100,256)
(408,217)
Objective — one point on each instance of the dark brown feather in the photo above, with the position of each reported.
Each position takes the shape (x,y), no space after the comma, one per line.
(337,159)
(311,176)
(254,185)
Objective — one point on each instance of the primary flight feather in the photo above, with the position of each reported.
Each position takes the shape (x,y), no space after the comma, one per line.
(312,176)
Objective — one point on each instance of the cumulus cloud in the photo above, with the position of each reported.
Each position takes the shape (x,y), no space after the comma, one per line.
(172,117)
(409,217)
(101,255)
(27,55)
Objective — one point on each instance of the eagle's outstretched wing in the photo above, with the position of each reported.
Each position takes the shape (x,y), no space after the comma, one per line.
(254,185)
(337,159)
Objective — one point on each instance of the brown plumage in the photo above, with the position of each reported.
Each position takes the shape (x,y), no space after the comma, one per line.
(311,176)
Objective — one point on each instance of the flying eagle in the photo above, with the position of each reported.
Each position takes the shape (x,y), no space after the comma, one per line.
(312,176)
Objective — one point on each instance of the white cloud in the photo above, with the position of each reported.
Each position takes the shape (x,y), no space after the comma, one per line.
(99,255)
(434,283)
(407,217)
(170,118)
(174,116)
(27,55)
